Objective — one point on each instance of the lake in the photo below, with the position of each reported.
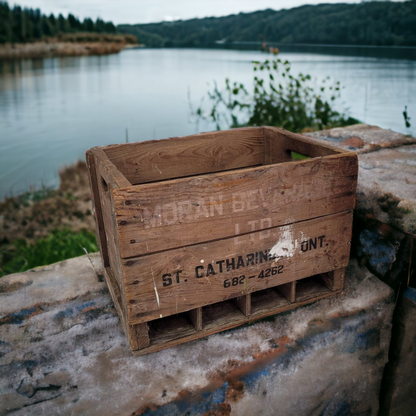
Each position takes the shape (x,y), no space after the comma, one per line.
(53,110)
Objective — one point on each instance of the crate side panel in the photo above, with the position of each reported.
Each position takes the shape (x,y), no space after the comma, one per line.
(157,217)
(105,200)
(95,194)
(178,280)
(185,156)
(110,233)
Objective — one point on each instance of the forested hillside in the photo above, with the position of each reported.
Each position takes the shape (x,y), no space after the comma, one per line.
(369,23)
(21,25)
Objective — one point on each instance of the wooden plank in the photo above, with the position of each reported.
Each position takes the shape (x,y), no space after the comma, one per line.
(244,304)
(115,293)
(96,204)
(334,280)
(108,235)
(195,316)
(221,317)
(279,142)
(137,335)
(141,331)
(110,227)
(288,290)
(108,170)
(186,278)
(165,215)
(158,160)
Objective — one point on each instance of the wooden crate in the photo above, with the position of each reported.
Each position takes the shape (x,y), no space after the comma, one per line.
(203,233)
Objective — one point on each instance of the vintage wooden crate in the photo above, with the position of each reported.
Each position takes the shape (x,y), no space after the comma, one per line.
(202,233)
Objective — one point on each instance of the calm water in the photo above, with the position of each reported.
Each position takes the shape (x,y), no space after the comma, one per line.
(52,110)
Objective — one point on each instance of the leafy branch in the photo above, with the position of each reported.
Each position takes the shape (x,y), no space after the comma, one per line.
(278,99)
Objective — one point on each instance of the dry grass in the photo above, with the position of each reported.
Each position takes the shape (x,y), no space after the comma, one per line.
(94,37)
(34,215)
(76,44)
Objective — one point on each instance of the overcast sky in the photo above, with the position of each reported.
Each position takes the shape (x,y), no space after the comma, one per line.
(147,11)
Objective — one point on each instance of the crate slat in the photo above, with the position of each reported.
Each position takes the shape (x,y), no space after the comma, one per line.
(186,278)
(244,304)
(196,318)
(156,160)
(181,212)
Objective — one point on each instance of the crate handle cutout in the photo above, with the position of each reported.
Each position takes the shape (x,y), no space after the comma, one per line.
(296,155)
(104,184)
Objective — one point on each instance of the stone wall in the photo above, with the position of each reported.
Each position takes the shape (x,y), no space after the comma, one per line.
(384,241)
(63,352)
(385,216)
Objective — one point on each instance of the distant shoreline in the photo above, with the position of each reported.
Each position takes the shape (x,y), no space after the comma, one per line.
(59,49)
(68,44)
(325,45)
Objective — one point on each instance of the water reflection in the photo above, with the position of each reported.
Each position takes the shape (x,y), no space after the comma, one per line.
(383,52)
(52,110)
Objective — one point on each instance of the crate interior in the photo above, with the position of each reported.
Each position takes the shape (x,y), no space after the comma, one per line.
(221,313)
(263,300)
(170,328)
(309,288)
(159,160)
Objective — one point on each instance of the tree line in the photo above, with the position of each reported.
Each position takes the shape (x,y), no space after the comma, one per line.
(19,24)
(370,23)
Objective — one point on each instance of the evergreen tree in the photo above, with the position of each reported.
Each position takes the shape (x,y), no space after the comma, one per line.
(26,25)
(6,22)
(88,25)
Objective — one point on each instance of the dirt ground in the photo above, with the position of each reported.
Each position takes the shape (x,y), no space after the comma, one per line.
(35,214)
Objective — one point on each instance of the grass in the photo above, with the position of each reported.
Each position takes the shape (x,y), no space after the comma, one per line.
(59,245)
(94,37)
(45,226)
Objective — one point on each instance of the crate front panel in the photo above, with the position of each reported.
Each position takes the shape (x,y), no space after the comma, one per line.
(178,280)
(181,212)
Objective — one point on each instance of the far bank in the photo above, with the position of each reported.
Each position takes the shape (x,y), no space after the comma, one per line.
(79,44)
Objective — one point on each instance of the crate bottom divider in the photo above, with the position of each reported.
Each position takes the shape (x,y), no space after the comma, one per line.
(197,323)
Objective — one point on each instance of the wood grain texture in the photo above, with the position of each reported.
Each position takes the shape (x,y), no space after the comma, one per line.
(288,290)
(109,230)
(141,332)
(108,171)
(157,160)
(244,304)
(165,215)
(195,316)
(104,177)
(97,209)
(279,142)
(179,280)
(334,280)
(115,294)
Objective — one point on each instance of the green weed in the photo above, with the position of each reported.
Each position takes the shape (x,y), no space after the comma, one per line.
(278,99)
(59,245)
